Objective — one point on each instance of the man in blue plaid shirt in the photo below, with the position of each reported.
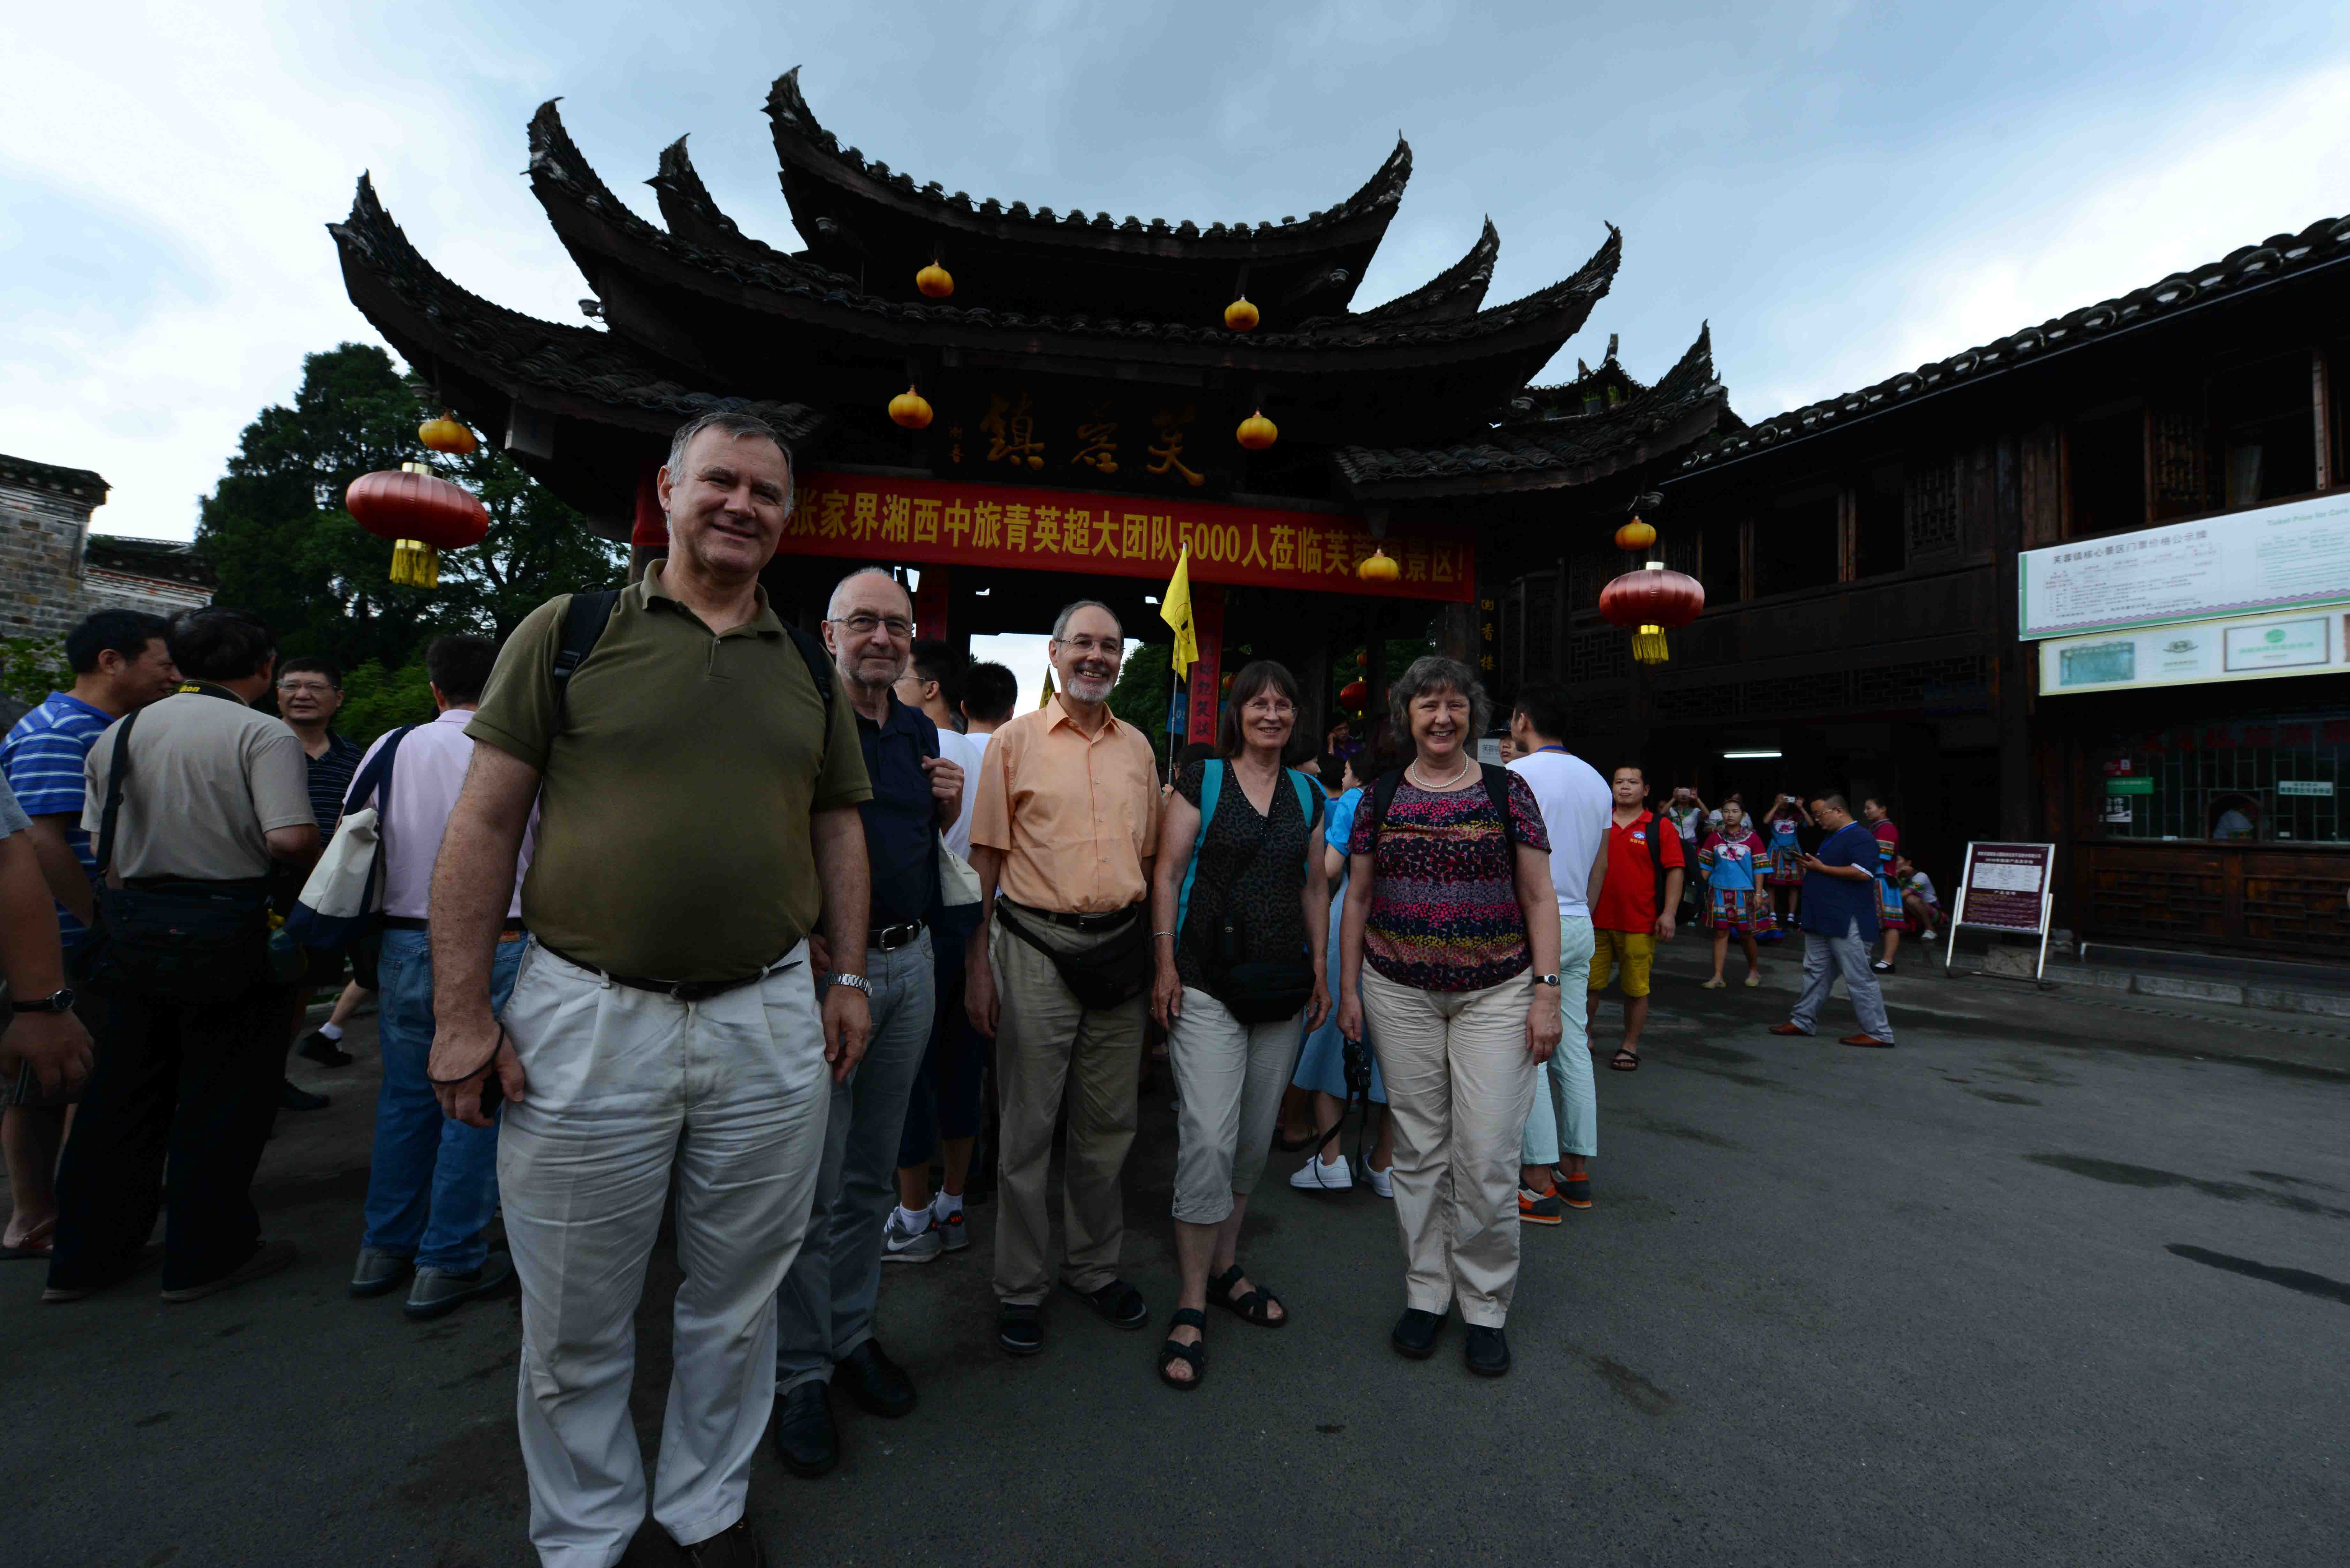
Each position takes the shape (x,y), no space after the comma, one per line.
(119,663)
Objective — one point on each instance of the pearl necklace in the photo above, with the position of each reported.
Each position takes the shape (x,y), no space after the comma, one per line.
(1423,781)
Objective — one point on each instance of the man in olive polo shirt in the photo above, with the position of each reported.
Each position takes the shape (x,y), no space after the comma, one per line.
(697,799)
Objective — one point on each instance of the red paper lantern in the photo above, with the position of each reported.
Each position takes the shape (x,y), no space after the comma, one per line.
(1650,603)
(421,514)
(1352,693)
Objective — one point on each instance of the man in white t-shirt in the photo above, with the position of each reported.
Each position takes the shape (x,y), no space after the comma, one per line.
(942,1115)
(1562,1133)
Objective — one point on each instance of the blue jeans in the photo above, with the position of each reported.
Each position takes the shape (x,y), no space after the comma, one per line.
(432,1184)
(824,1309)
(1565,1119)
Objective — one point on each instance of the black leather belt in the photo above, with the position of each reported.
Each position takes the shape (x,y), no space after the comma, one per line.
(1088,923)
(410,923)
(676,990)
(890,938)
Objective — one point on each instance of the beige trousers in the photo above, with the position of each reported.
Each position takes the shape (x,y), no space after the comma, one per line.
(1459,1088)
(1048,1045)
(1229,1078)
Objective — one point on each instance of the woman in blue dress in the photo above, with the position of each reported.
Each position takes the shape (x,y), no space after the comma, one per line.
(1734,903)
(1322,1067)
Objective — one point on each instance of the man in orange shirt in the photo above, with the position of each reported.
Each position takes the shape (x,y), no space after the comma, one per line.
(1635,912)
(1066,826)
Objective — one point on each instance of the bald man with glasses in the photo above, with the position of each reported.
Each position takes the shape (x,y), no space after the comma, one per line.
(824,1312)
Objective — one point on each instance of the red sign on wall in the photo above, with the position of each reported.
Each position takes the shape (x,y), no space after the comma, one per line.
(918,521)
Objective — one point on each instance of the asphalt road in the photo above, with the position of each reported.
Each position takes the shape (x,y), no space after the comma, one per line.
(2056,1282)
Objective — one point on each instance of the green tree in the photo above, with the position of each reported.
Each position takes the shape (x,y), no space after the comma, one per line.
(1141,694)
(274,530)
(33,667)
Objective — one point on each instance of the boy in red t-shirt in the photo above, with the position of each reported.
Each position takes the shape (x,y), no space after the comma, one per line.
(1634,914)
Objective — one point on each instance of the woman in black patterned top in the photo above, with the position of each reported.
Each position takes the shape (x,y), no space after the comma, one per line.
(1240,918)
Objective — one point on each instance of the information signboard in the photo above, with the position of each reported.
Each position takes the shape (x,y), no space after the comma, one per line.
(2006,888)
(2265,558)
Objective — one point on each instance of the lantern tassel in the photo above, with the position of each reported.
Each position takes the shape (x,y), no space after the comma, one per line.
(415,564)
(1649,644)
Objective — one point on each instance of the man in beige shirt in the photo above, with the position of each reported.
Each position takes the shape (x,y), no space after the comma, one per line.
(1066,826)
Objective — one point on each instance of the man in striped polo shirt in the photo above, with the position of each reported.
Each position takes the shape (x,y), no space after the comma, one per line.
(119,663)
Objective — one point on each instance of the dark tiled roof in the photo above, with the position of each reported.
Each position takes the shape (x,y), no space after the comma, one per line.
(172,560)
(557,171)
(517,353)
(796,126)
(77,483)
(2326,241)
(1455,292)
(1551,451)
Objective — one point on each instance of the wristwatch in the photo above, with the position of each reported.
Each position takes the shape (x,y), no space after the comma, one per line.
(1550,980)
(854,982)
(58,1001)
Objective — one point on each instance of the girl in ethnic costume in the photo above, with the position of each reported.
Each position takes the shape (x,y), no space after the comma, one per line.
(1891,917)
(1782,871)
(1734,905)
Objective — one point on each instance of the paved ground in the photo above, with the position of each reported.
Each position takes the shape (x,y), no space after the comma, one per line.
(2055,1283)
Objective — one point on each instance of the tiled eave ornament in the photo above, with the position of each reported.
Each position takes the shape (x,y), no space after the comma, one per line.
(2326,241)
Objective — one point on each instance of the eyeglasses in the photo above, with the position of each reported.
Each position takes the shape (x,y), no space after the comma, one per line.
(898,626)
(315,688)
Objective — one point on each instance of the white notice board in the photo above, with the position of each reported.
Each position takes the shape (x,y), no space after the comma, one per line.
(2005,887)
(2276,557)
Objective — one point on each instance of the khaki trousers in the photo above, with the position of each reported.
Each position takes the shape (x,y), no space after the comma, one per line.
(1459,1086)
(1048,1045)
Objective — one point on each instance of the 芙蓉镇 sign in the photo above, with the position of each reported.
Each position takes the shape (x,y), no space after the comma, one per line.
(956,522)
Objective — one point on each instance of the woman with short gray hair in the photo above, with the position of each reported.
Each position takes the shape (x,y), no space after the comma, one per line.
(1449,949)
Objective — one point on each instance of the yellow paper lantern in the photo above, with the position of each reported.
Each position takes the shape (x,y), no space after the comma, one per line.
(912,409)
(935,282)
(447,435)
(1240,315)
(1635,535)
(1257,432)
(1378,566)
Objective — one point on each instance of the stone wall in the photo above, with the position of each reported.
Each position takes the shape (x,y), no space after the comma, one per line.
(49,578)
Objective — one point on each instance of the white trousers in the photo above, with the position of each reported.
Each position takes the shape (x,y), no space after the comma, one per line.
(1459,1088)
(622,1086)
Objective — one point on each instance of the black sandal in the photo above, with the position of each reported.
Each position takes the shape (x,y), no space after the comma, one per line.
(1625,1061)
(1195,1354)
(1119,1303)
(1252,1306)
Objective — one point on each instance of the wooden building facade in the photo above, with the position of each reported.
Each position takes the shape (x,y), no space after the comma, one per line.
(1859,558)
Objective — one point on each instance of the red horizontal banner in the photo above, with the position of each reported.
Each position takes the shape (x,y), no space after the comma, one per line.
(949,522)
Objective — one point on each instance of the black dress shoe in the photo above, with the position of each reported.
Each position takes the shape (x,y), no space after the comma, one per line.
(293,1097)
(879,1384)
(806,1437)
(317,1047)
(1488,1354)
(732,1547)
(1415,1333)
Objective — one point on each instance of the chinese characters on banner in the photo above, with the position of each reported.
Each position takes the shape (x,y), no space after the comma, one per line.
(919,521)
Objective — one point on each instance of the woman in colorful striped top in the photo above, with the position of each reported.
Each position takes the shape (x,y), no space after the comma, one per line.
(1450,950)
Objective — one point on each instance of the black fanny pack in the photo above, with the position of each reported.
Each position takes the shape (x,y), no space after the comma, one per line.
(1100,977)
(167,939)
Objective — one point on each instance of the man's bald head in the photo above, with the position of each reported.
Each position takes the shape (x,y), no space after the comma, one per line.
(858,586)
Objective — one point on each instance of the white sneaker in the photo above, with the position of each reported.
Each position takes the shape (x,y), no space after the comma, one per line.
(904,1243)
(1316,1177)
(1382,1181)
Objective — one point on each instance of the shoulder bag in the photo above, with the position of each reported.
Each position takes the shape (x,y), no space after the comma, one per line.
(169,940)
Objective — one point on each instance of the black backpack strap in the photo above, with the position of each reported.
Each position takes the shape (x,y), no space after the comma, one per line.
(117,769)
(820,662)
(1497,790)
(375,779)
(584,620)
(1383,793)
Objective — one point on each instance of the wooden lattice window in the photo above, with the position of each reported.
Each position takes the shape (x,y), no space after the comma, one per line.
(1929,507)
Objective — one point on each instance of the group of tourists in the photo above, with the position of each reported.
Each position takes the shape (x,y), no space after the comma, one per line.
(685,909)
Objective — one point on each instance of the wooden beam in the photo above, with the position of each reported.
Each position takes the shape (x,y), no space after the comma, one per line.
(2321,397)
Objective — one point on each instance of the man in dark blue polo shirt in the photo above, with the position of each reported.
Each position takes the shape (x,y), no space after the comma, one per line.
(824,1313)
(1839,924)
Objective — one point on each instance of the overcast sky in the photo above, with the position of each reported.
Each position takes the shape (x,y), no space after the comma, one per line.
(1843,189)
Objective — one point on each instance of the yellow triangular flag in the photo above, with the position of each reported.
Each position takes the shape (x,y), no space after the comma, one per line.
(1175,609)
(1046,700)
